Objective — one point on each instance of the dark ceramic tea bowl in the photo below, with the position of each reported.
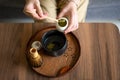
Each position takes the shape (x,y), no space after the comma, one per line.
(54,43)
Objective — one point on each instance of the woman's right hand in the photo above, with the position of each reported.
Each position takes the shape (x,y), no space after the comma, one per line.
(33,9)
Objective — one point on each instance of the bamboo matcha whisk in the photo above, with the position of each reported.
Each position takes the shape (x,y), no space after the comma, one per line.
(34,58)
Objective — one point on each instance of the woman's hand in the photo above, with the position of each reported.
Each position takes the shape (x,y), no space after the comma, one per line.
(70,11)
(33,9)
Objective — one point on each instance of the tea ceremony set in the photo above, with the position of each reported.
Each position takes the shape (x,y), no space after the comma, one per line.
(50,46)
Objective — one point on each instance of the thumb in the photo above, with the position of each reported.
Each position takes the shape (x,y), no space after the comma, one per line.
(62,13)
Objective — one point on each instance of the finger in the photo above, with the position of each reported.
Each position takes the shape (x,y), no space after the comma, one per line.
(62,13)
(67,31)
(70,30)
(73,25)
(33,14)
(71,22)
(39,10)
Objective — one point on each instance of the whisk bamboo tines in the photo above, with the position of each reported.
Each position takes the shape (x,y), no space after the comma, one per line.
(34,58)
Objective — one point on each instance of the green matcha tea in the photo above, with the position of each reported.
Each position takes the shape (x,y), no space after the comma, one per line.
(50,46)
(62,22)
(54,43)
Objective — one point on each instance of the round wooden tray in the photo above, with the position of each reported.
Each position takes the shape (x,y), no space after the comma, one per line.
(57,66)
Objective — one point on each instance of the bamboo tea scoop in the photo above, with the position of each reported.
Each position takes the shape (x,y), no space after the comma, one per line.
(53,19)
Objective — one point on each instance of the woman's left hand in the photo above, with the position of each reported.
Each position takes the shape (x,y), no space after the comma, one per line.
(70,11)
